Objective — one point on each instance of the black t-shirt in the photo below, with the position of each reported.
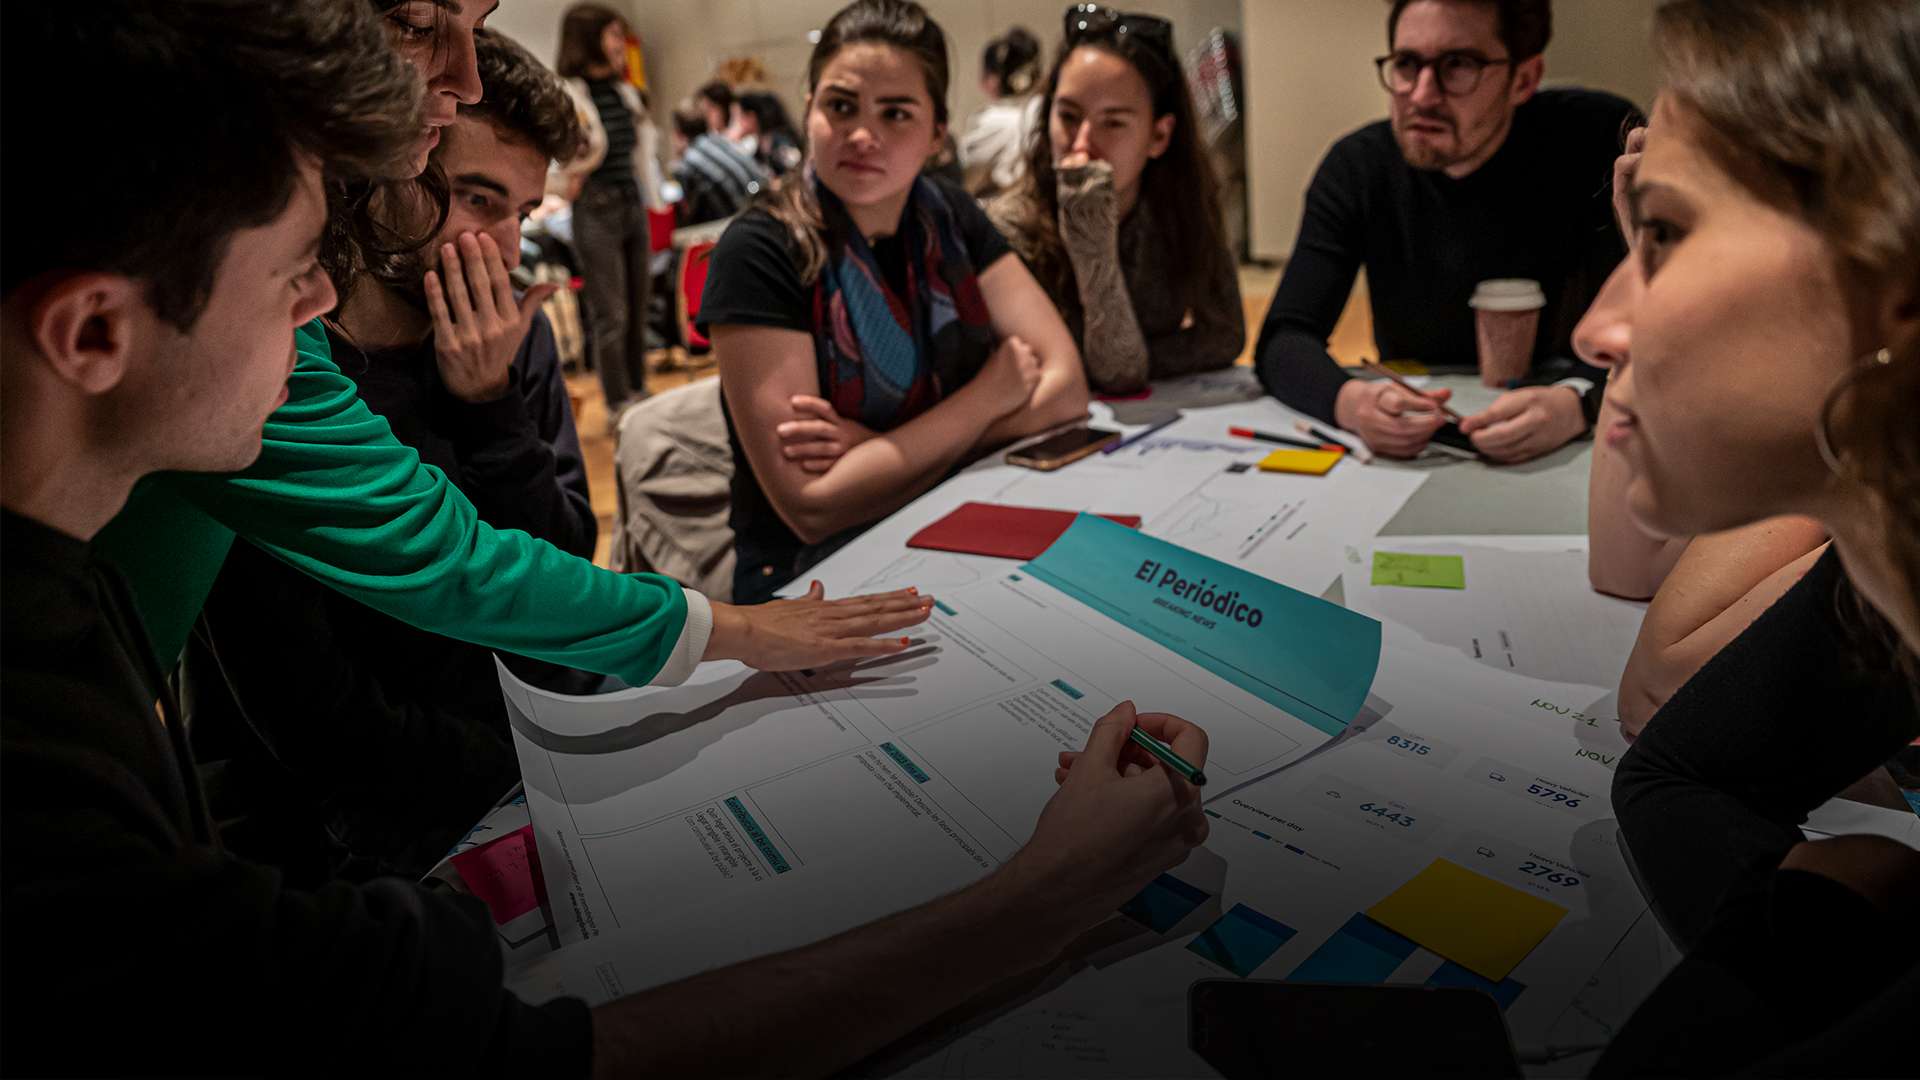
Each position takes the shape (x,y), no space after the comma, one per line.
(753,280)
(1540,208)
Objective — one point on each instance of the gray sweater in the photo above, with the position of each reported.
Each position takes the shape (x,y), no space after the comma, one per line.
(1132,328)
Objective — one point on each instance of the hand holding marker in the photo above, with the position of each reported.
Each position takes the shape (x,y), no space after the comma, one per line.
(1171,760)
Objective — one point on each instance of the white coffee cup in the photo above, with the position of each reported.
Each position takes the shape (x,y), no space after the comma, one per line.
(1506,320)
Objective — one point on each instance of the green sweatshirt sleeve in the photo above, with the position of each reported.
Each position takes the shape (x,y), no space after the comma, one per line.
(336,496)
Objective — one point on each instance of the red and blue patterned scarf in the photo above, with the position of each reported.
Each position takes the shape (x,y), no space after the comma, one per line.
(885,358)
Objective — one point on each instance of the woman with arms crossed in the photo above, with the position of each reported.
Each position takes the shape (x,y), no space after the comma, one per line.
(871,328)
(1766,361)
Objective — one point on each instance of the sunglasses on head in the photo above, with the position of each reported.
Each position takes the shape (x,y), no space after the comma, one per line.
(1094,21)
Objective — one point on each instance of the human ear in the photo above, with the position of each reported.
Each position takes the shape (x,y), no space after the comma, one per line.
(1162,136)
(88,328)
(1900,316)
(1526,79)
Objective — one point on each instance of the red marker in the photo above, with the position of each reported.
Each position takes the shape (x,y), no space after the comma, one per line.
(1264,436)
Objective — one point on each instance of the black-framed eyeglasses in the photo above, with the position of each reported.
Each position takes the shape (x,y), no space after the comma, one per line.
(1458,73)
(1093,20)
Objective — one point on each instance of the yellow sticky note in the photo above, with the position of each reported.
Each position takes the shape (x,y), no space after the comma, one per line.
(1311,462)
(1476,922)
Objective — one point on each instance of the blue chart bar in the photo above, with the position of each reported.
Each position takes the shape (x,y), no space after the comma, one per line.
(1362,951)
(1163,903)
(1242,940)
(1452,974)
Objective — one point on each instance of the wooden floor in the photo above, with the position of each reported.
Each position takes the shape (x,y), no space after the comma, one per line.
(1352,339)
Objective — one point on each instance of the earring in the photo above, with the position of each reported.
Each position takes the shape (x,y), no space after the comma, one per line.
(1822,436)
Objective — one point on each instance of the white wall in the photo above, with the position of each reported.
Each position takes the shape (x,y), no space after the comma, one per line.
(684,39)
(1310,80)
(536,23)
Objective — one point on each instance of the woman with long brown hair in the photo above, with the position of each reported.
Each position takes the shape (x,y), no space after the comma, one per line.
(1118,215)
(1764,340)
(871,326)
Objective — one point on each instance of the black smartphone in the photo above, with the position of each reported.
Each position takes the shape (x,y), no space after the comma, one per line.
(1263,1027)
(1062,449)
(1448,439)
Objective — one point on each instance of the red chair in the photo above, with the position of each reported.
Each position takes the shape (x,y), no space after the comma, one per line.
(660,228)
(693,281)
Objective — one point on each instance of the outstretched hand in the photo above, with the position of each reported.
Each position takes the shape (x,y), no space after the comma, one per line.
(786,635)
(1120,818)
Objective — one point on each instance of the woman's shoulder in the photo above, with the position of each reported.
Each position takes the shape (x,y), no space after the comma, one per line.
(1019,219)
(755,234)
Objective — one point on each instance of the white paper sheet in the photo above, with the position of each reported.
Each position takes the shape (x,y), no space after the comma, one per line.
(1287,528)
(1527,615)
(653,806)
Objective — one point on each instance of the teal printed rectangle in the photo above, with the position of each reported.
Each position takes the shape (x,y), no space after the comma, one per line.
(1242,940)
(774,859)
(1312,658)
(904,762)
(1061,685)
(942,605)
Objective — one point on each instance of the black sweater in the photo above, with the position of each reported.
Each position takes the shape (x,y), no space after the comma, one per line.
(135,943)
(1540,208)
(1788,973)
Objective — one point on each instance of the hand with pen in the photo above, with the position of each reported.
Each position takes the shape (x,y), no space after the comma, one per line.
(1120,818)
(1395,420)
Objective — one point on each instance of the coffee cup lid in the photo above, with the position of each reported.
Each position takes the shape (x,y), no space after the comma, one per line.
(1508,294)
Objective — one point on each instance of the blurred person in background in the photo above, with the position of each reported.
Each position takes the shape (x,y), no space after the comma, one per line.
(613,184)
(767,132)
(993,148)
(715,174)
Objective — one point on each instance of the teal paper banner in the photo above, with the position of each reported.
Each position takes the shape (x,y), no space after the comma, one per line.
(1300,653)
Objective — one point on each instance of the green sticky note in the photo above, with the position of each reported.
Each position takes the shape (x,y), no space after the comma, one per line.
(1419,571)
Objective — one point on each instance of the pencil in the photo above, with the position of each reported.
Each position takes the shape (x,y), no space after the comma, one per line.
(1168,758)
(1119,444)
(1382,369)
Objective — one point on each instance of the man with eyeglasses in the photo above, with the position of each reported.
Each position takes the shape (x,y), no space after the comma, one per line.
(1477,174)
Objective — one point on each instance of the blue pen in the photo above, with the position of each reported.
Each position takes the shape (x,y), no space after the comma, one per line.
(1131,439)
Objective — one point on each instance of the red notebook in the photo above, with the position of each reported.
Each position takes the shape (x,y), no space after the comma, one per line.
(1009,532)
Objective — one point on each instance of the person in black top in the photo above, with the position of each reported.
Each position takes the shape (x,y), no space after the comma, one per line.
(1477,175)
(149,324)
(871,325)
(333,732)
(1774,231)
(151,327)
(610,227)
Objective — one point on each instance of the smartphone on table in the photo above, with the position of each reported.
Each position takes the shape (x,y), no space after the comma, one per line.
(1265,1027)
(1449,440)
(1063,449)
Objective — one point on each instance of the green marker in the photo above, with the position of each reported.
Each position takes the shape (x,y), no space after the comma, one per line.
(1168,758)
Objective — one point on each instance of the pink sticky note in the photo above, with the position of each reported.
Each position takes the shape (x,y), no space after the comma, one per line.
(505,873)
